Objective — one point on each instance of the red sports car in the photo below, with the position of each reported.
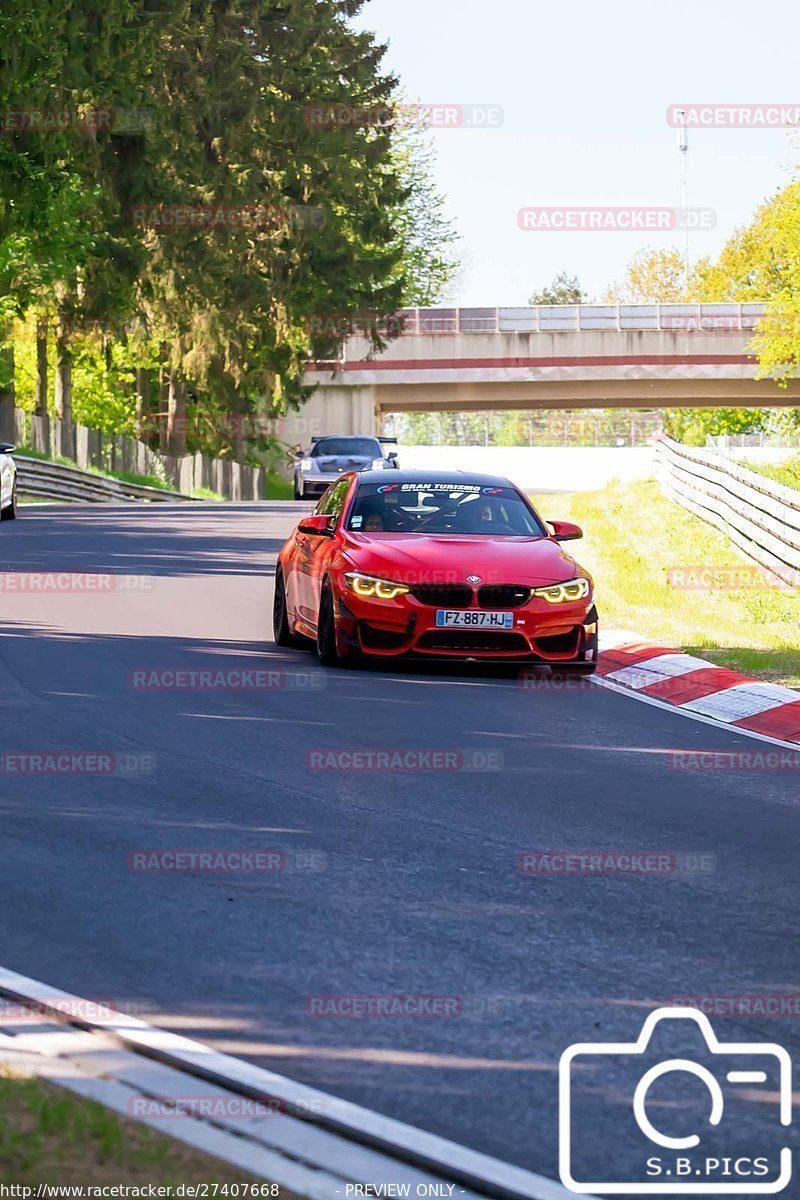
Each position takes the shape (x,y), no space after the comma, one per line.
(441,565)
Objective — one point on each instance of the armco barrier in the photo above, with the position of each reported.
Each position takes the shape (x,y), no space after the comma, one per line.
(115,452)
(761,517)
(53,481)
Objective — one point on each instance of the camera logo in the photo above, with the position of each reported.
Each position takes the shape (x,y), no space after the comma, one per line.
(683,1112)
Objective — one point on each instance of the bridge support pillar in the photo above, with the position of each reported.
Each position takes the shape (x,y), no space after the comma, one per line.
(331,410)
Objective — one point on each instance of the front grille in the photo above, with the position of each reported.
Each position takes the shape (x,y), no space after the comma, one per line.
(478,641)
(443,596)
(503,596)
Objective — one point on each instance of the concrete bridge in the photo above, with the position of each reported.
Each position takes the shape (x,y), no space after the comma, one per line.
(546,357)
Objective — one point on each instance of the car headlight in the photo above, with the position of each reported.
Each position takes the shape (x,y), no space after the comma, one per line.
(379,589)
(306,464)
(378,464)
(564,593)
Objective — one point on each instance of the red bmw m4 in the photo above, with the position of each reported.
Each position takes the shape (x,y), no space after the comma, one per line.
(440,565)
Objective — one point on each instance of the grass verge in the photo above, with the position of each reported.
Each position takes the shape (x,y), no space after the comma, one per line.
(279,488)
(49,1135)
(787,473)
(634,536)
(124,476)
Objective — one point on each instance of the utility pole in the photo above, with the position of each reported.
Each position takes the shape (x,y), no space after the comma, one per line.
(683,146)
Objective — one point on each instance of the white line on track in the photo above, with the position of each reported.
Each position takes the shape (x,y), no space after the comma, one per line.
(349,1132)
(601,681)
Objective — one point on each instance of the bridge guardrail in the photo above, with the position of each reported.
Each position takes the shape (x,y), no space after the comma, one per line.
(555,318)
(760,516)
(54,481)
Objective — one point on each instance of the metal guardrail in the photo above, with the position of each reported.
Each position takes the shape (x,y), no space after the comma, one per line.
(554,318)
(761,517)
(53,481)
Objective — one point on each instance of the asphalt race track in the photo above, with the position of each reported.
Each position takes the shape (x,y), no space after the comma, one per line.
(401,882)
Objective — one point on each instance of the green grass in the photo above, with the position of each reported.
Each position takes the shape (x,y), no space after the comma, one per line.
(279,488)
(633,535)
(124,476)
(788,473)
(48,1135)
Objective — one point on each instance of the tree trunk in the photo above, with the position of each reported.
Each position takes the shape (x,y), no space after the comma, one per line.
(239,436)
(143,391)
(63,373)
(7,391)
(176,414)
(41,369)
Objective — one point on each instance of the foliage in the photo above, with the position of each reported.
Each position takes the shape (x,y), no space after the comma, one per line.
(693,425)
(651,277)
(565,289)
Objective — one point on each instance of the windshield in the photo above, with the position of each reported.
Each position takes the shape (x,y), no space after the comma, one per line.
(434,507)
(358,447)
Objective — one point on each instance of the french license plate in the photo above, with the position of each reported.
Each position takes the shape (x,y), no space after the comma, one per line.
(472,619)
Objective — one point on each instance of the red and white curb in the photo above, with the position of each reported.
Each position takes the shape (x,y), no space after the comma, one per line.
(700,688)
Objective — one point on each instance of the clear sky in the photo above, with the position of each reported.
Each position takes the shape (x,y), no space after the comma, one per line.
(585,85)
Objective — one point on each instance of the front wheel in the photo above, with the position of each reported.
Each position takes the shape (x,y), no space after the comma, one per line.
(10,513)
(330,651)
(282,630)
(298,491)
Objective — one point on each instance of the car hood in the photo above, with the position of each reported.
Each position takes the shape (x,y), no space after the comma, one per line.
(328,464)
(444,559)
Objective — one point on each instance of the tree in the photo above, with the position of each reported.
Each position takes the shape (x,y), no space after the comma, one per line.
(426,238)
(651,277)
(565,289)
(222,313)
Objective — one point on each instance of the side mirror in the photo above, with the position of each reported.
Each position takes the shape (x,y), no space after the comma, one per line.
(7,448)
(392,454)
(565,531)
(318,524)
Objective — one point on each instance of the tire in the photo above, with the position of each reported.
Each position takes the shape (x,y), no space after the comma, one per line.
(329,651)
(281,629)
(298,492)
(10,513)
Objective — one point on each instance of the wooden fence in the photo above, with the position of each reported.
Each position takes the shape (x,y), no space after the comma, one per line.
(115,452)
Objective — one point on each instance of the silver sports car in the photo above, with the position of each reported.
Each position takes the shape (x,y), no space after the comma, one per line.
(330,457)
(8,483)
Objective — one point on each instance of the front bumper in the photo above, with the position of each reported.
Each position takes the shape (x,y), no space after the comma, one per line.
(553,634)
(314,486)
